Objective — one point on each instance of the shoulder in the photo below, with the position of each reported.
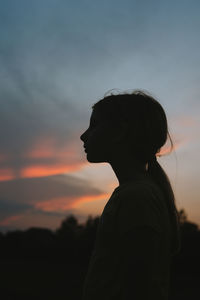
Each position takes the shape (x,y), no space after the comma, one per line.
(142,193)
(141,205)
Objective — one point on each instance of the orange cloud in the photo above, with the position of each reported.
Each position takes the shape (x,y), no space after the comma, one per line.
(45,170)
(63,203)
(43,148)
(47,147)
(7,221)
(63,157)
(44,158)
(6,174)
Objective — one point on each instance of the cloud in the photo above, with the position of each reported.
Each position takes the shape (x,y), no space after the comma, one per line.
(53,196)
(32,190)
(38,131)
(9,220)
(65,203)
(8,208)
(45,157)
(37,114)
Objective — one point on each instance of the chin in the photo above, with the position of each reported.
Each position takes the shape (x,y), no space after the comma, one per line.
(95,158)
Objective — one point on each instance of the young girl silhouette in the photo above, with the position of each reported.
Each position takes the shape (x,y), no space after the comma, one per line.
(138,232)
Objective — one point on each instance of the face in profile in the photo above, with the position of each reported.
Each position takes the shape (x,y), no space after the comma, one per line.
(98,138)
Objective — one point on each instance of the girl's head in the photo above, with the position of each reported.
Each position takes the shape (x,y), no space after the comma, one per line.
(134,123)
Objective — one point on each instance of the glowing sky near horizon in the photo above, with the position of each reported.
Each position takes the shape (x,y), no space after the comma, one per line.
(59,57)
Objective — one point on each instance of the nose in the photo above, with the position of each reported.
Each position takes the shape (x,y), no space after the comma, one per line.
(82,136)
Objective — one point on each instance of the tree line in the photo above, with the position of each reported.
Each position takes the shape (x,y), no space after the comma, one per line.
(66,252)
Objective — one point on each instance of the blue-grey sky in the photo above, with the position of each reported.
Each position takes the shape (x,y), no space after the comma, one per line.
(59,57)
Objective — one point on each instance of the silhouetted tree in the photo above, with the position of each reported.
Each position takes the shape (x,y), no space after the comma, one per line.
(68,226)
(186,226)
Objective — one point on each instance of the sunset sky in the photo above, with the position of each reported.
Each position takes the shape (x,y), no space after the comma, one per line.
(57,58)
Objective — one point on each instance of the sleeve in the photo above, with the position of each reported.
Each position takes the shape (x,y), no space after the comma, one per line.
(99,283)
(138,252)
(138,244)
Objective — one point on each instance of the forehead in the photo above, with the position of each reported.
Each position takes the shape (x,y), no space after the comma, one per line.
(106,117)
(97,116)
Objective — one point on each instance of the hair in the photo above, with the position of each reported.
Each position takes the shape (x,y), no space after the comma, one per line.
(148,127)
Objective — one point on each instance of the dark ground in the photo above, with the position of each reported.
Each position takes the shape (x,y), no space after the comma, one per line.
(40,264)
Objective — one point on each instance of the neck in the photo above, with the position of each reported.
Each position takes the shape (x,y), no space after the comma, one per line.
(127,168)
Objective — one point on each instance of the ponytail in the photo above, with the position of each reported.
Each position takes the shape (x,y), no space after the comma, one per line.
(160,177)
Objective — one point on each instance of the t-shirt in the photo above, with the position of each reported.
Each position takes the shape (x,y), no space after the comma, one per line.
(131,256)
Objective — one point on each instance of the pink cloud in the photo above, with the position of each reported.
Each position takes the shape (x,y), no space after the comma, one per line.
(63,203)
(6,174)
(44,158)
(9,220)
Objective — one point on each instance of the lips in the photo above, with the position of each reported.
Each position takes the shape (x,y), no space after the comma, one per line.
(85,148)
